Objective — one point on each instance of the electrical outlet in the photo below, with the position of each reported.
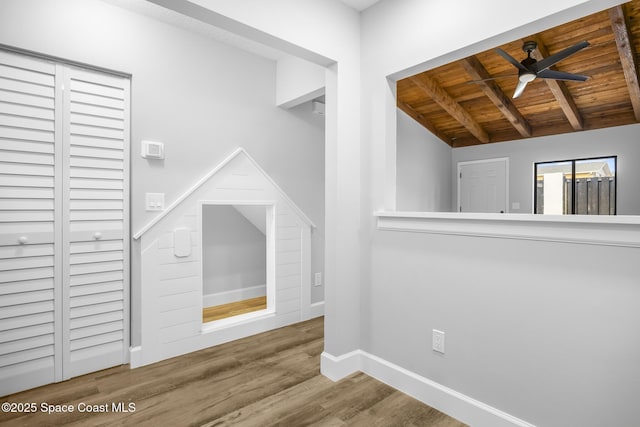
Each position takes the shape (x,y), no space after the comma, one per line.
(437,341)
(317,280)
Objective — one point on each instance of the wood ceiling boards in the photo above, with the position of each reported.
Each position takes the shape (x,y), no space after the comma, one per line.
(447,102)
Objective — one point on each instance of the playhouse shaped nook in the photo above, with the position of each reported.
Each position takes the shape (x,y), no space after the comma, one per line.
(174,256)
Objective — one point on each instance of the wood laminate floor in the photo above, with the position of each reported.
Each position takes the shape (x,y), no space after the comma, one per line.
(271,379)
(218,312)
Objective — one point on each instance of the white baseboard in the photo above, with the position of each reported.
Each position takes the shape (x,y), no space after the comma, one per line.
(316,309)
(438,396)
(226,297)
(336,368)
(135,356)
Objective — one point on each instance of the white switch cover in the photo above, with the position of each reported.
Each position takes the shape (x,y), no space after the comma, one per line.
(317,279)
(154,201)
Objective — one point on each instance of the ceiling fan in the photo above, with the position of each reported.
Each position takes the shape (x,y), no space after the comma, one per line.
(530,68)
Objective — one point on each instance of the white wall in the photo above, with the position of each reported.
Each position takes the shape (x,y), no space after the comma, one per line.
(327,33)
(524,323)
(423,170)
(298,81)
(234,251)
(200,97)
(521,333)
(620,141)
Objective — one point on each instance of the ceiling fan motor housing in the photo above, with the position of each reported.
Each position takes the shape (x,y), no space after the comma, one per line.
(529,46)
(529,75)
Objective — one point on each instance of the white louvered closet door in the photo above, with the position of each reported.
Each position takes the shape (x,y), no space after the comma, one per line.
(96,132)
(63,221)
(29,224)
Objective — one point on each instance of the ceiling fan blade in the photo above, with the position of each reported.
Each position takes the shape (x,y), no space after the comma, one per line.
(559,75)
(511,59)
(519,89)
(547,62)
(493,78)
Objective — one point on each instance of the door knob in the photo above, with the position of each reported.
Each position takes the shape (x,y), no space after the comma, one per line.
(23,240)
(97,235)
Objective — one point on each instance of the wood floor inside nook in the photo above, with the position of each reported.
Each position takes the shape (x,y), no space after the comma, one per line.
(209,314)
(265,380)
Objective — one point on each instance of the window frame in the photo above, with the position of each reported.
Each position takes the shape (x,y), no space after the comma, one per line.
(573,182)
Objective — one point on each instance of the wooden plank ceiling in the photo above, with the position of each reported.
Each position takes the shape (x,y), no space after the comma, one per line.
(462,113)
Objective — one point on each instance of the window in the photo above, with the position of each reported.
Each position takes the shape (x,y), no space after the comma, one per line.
(581,186)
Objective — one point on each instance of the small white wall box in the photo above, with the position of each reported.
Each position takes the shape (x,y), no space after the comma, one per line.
(154,201)
(152,150)
(182,242)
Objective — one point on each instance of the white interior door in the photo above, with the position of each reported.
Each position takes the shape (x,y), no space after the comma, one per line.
(482,186)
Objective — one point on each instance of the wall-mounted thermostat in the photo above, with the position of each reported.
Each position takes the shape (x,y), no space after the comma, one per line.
(152,150)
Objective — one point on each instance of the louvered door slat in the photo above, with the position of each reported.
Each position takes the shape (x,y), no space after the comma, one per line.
(26,146)
(21,110)
(26,181)
(26,122)
(26,262)
(26,87)
(96,288)
(25,169)
(96,246)
(32,285)
(26,99)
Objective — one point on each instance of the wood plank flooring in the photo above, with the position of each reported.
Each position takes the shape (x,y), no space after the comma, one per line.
(223,311)
(271,379)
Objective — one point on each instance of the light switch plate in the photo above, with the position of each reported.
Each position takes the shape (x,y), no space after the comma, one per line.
(154,201)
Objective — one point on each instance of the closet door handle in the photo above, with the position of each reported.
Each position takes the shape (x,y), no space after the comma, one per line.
(23,240)
(97,235)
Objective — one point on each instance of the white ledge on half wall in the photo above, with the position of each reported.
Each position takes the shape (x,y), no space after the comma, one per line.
(583,229)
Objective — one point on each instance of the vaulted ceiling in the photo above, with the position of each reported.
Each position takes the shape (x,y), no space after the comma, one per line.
(469,101)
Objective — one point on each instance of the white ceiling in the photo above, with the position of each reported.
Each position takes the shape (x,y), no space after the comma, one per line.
(168,16)
(359,5)
(171,17)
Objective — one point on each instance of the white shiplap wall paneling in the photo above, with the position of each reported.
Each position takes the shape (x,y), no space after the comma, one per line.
(172,288)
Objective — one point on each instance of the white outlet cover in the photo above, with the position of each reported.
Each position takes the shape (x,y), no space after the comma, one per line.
(437,341)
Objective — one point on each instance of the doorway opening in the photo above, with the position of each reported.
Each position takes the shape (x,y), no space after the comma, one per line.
(237,260)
